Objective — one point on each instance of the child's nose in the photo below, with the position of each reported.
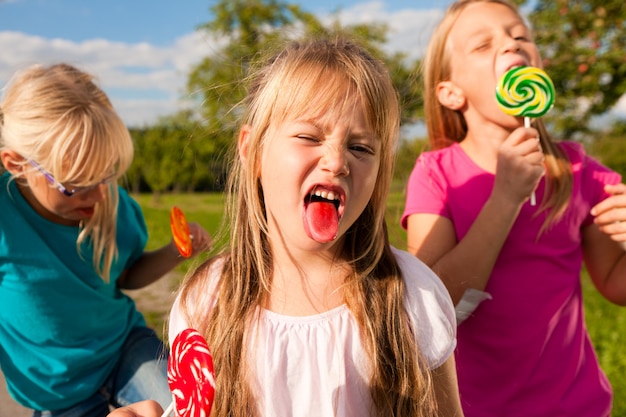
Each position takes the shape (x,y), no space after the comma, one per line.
(336,161)
(511,44)
(98,193)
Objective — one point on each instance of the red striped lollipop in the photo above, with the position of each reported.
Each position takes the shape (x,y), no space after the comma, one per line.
(190,375)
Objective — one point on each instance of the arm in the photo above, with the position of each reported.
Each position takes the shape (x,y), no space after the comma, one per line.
(146,408)
(154,264)
(604,244)
(469,262)
(446,389)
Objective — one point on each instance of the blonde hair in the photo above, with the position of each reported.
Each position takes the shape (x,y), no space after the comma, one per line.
(446,126)
(314,77)
(58,117)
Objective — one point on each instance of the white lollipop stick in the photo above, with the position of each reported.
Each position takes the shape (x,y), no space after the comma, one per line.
(533,198)
(168,410)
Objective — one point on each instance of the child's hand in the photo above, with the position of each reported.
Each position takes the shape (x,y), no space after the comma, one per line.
(200,241)
(520,164)
(200,238)
(611,213)
(147,408)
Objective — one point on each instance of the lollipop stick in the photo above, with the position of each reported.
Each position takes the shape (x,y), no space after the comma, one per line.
(533,199)
(168,410)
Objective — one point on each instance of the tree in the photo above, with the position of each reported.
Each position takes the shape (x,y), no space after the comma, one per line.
(247,27)
(582,43)
(251,28)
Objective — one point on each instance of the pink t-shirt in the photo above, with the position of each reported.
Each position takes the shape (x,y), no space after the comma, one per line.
(526,352)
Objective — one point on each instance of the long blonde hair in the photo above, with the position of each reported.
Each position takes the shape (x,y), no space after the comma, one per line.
(58,117)
(446,126)
(308,78)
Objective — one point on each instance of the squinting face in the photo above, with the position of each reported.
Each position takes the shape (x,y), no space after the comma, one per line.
(487,40)
(52,205)
(318,175)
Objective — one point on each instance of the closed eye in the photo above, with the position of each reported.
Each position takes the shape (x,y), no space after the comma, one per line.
(482,46)
(359,148)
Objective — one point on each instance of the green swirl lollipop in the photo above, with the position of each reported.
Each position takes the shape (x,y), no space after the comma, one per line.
(525,91)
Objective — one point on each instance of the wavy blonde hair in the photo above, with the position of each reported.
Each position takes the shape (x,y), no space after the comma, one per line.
(313,77)
(58,117)
(446,126)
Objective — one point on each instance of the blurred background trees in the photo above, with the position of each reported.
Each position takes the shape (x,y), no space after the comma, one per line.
(583,44)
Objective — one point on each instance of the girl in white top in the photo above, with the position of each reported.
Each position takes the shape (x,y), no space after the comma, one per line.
(311,311)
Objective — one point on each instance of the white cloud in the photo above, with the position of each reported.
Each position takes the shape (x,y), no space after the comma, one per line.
(145,81)
(409,29)
(131,74)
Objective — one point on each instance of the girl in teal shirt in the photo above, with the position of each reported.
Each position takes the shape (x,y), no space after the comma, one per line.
(71,342)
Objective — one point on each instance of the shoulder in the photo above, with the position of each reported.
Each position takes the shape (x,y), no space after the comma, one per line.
(430,309)
(126,201)
(585,165)
(197,296)
(128,209)
(441,167)
(443,156)
(574,151)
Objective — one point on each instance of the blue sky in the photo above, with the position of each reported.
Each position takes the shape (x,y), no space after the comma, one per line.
(142,50)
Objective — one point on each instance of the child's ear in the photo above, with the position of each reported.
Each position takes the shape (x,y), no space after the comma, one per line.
(450,96)
(12,161)
(242,143)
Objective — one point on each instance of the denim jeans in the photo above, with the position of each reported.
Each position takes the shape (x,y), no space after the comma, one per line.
(140,374)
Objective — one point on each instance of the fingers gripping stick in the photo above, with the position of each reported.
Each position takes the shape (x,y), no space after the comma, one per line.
(527,92)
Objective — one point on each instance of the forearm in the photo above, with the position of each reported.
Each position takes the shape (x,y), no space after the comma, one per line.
(605,260)
(150,267)
(470,263)
(446,388)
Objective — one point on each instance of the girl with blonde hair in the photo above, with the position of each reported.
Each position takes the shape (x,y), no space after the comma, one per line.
(311,311)
(71,343)
(512,268)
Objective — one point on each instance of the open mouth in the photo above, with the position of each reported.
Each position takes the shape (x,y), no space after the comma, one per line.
(322,212)
(325,196)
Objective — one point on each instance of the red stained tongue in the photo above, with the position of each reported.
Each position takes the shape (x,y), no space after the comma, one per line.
(321,221)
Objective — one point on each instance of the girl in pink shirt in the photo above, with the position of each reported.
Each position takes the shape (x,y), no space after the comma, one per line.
(524,350)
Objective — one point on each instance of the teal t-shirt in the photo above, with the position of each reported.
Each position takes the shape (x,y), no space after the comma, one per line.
(61,326)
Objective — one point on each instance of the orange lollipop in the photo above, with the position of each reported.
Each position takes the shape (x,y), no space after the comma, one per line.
(180,232)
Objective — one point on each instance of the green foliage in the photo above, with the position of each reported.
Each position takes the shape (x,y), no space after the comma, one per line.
(250,27)
(605,322)
(255,28)
(407,155)
(610,148)
(582,43)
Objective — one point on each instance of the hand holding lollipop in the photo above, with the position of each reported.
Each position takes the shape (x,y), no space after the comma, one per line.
(180,232)
(191,377)
(528,92)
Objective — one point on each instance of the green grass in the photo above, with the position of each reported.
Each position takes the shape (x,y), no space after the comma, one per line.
(605,321)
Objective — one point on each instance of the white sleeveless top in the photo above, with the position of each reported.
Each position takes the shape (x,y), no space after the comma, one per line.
(316,366)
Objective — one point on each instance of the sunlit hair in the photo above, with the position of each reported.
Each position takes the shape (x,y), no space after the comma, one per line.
(58,117)
(311,79)
(446,126)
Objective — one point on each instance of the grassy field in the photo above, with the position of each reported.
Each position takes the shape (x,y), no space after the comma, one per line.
(606,322)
